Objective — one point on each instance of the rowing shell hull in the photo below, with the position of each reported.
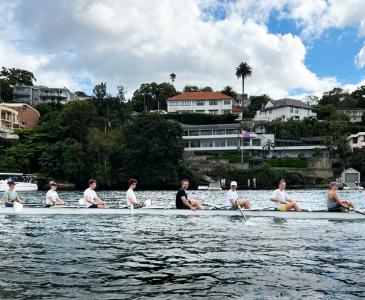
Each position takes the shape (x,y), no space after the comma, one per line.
(186,212)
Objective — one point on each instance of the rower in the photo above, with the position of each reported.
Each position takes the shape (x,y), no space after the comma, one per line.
(11,196)
(282,200)
(52,197)
(334,202)
(131,196)
(232,198)
(182,201)
(90,197)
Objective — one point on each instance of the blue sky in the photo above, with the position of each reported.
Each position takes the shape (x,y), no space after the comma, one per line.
(296,48)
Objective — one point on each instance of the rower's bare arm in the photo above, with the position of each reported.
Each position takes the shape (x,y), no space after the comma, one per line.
(274,200)
(337,198)
(88,200)
(19,200)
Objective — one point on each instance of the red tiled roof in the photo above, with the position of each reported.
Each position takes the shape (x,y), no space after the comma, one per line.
(200,96)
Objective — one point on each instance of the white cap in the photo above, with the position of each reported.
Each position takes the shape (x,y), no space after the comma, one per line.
(234,183)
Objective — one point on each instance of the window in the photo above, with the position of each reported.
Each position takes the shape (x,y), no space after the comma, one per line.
(256,142)
(232,131)
(213,102)
(297,111)
(219,143)
(283,117)
(24,108)
(354,140)
(200,102)
(232,142)
(186,133)
(227,102)
(194,132)
(270,111)
(213,112)
(173,103)
(195,144)
(219,132)
(208,143)
(200,111)
(185,103)
(186,145)
(291,109)
(205,132)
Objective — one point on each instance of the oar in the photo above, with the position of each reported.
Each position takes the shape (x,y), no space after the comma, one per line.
(241,210)
(355,210)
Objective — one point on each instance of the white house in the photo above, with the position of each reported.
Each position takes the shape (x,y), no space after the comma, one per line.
(223,137)
(284,109)
(356,140)
(355,114)
(214,103)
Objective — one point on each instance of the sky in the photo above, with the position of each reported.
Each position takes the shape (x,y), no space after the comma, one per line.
(295,48)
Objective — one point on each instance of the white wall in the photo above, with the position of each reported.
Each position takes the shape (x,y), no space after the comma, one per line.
(284,113)
(192,106)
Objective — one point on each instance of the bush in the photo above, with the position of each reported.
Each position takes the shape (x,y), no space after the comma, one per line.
(289,162)
(201,119)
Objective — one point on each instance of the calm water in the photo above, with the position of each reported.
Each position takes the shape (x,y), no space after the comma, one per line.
(128,257)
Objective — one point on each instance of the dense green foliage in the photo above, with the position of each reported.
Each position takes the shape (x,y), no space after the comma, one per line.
(150,96)
(13,76)
(201,119)
(266,177)
(289,162)
(98,139)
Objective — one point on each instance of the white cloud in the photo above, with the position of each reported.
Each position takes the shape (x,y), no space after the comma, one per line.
(131,42)
(360,58)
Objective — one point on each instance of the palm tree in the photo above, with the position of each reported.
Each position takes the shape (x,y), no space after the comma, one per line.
(269,145)
(172,77)
(242,71)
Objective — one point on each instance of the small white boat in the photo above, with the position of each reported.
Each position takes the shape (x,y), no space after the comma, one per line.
(28,184)
(270,213)
(213,186)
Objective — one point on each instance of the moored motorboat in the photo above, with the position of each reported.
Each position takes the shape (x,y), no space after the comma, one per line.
(28,184)
(271,213)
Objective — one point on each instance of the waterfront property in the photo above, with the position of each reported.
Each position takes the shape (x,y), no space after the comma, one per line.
(214,103)
(355,114)
(42,94)
(284,110)
(8,122)
(28,116)
(356,140)
(223,137)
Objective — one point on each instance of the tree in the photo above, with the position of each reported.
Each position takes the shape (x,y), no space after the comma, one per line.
(229,91)
(121,93)
(172,77)
(206,89)
(269,145)
(100,90)
(17,76)
(11,77)
(154,149)
(149,95)
(242,71)
(359,95)
(191,88)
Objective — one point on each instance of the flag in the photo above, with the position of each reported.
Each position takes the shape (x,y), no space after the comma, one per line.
(245,134)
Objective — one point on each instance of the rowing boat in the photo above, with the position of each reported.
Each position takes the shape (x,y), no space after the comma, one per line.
(186,212)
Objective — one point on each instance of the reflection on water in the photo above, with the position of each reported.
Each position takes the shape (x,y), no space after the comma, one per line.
(174,257)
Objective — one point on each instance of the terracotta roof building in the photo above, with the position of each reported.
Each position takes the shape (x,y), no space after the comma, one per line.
(27,116)
(214,103)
